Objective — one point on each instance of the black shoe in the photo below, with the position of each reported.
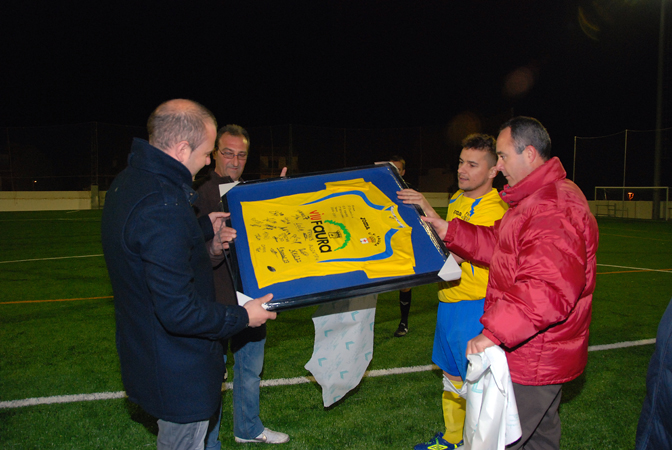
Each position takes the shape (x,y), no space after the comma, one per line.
(402,330)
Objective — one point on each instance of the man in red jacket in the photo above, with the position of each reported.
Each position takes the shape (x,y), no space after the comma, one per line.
(541,256)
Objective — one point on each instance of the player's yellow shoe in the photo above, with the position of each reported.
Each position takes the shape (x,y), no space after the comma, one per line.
(438,443)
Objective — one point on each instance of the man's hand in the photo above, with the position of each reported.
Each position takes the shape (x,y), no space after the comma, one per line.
(283,173)
(256,313)
(223,234)
(412,197)
(439,225)
(479,344)
(217,218)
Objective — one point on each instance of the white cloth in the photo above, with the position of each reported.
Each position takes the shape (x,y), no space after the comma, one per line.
(491,420)
(343,345)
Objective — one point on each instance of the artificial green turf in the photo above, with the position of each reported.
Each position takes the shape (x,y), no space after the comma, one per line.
(67,347)
(58,348)
(600,409)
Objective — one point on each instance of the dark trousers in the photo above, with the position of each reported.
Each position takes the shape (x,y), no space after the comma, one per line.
(539,417)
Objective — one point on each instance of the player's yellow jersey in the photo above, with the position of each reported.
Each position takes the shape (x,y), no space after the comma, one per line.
(351,225)
(484,210)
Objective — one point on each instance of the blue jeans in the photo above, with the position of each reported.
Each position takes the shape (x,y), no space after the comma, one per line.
(249,360)
(212,441)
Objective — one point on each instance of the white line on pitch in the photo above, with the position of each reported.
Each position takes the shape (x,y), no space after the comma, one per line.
(269,383)
(597,348)
(62,399)
(47,259)
(636,268)
(53,219)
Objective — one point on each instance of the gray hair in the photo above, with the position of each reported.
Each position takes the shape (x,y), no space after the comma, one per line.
(529,131)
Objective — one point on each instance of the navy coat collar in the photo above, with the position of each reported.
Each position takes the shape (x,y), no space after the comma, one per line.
(145,156)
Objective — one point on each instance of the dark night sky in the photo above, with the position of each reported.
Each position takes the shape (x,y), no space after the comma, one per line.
(335,63)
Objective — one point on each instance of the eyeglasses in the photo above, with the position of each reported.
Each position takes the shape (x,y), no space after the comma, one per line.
(228,154)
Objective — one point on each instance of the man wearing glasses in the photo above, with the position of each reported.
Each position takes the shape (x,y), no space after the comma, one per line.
(230,156)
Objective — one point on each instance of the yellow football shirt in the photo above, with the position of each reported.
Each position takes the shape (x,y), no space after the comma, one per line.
(350,225)
(484,210)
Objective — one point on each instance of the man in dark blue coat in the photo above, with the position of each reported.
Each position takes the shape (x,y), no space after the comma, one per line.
(654,431)
(168,323)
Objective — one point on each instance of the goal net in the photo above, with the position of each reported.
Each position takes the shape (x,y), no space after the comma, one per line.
(633,202)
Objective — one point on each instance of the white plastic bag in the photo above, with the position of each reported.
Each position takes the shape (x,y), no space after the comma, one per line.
(491,420)
(343,345)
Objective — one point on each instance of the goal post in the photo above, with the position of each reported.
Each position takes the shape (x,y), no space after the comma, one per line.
(634,202)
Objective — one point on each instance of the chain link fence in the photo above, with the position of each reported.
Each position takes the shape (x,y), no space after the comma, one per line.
(64,158)
(77,157)
(625,158)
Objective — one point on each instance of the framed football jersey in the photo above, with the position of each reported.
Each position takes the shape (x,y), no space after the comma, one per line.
(331,235)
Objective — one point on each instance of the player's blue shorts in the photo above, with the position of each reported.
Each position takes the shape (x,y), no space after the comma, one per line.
(456,324)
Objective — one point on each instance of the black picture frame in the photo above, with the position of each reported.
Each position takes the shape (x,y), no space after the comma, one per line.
(431,253)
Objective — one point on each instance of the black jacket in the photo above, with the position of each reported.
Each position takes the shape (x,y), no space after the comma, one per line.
(168,323)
